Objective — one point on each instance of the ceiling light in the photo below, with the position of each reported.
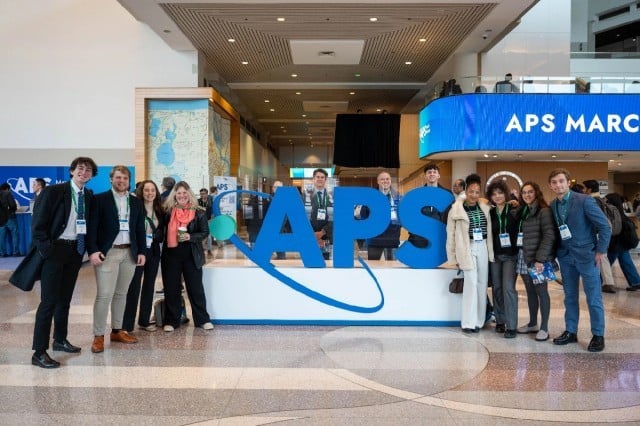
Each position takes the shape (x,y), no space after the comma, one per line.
(378,109)
(282,127)
(266,101)
(298,93)
(619,164)
(374,19)
(294,75)
(422,40)
(281,19)
(245,63)
(553,156)
(486,155)
(357,75)
(611,161)
(231,40)
(408,62)
(304,115)
(272,110)
(519,155)
(495,155)
(352,93)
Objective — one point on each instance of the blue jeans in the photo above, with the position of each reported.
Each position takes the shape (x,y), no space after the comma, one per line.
(12,227)
(626,264)
(572,271)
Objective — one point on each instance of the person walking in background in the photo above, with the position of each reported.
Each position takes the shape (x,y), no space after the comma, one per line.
(536,247)
(470,248)
(11,225)
(205,202)
(36,187)
(286,226)
(183,256)
(503,269)
(584,238)
(116,245)
(148,193)
(621,244)
(58,231)
(167,185)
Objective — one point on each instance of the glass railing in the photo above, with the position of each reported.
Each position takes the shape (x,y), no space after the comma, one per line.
(541,84)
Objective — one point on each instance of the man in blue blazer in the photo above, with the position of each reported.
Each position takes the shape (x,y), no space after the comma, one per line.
(116,244)
(584,240)
(58,229)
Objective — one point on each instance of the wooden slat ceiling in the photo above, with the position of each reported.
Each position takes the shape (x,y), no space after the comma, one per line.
(263,42)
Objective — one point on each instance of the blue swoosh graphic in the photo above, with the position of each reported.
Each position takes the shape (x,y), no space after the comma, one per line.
(291,283)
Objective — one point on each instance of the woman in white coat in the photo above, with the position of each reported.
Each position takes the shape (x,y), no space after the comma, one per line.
(468,247)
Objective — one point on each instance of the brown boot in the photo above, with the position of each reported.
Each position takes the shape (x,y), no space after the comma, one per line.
(123,337)
(98,344)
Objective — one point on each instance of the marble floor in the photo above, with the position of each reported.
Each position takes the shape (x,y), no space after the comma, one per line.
(304,375)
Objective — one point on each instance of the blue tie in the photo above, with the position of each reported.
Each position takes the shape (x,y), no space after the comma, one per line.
(80,237)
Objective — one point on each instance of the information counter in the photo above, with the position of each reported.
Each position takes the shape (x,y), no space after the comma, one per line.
(239,292)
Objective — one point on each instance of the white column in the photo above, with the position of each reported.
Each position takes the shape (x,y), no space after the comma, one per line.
(461,167)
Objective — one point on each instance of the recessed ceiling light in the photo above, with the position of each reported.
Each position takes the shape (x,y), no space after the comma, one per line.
(611,161)
(553,156)
(282,127)
(231,40)
(486,155)
(422,40)
(266,101)
(294,75)
(281,19)
(378,109)
(408,62)
(245,63)
(373,19)
(352,93)
(357,75)
(619,164)
(272,110)
(298,93)
(304,115)
(495,155)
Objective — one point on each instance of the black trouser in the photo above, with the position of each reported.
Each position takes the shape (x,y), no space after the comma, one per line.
(150,271)
(177,262)
(375,253)
(58,280)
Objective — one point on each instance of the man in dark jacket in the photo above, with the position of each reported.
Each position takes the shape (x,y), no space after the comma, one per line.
(11,225)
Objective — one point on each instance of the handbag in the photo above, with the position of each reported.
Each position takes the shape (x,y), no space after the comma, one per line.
(457,284)
(28,271)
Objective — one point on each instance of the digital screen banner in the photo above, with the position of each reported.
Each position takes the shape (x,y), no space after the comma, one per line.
(530,122)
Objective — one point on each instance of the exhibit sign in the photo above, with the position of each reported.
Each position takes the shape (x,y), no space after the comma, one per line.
(527,122)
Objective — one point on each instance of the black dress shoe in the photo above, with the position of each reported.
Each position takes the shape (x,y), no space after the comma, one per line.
(566,337)
(468,330)
(633,288)
(65,347)
(596,344)
(44,361)
(500,328)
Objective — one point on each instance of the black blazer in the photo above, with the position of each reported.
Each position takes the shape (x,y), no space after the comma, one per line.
(103,227)
(51,213)
(198,230)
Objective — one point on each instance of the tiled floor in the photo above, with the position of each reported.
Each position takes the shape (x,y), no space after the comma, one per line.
(289,375)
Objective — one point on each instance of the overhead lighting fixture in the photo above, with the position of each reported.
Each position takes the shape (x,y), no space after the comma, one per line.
(294,75)
(245,63)
(272,110)
(495,155)
(352,93)
(304,115)
(611,161)
(298,93)
(356,75)
(378,110)
(266,101)
(553,156)
(422,40)
(408,62)
(373,19)
(619,164)
(231,40)
(281,19)
(486,155)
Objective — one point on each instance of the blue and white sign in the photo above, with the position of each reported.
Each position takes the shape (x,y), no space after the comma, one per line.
(526,122)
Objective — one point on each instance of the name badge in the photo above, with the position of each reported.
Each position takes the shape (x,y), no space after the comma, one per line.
(477,234)
(519,242)
(322,214)
(394,214)
(124,224)
(505,240)
(81,226)
(565,234)
(149,239)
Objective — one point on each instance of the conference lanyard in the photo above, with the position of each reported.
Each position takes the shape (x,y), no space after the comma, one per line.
(503,229)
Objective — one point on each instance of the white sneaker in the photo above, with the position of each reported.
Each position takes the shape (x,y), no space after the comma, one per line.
(168,328)
(207,326)
(542,336)
(150,327)
(527,329)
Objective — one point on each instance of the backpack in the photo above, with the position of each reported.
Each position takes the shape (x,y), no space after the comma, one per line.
(613,215)
(628,237)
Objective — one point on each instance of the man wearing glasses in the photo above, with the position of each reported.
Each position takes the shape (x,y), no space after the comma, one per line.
(59,228)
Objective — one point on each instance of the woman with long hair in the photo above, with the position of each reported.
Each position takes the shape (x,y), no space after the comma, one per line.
(183,256)
(503,269)
(470,247)
(146,191)
(536,245)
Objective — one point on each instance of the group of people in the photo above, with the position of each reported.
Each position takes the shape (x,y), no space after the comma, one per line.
(122,233)
(499,238)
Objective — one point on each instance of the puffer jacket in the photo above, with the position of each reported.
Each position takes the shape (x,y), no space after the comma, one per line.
(458,241)
(539,233)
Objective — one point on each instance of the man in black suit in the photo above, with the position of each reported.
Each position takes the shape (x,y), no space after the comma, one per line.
(116,243)
(58,229)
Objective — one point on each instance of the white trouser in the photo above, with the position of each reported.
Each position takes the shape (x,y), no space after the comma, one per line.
(474,294)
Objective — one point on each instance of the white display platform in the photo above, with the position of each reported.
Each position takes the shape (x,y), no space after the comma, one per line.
(239,292)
